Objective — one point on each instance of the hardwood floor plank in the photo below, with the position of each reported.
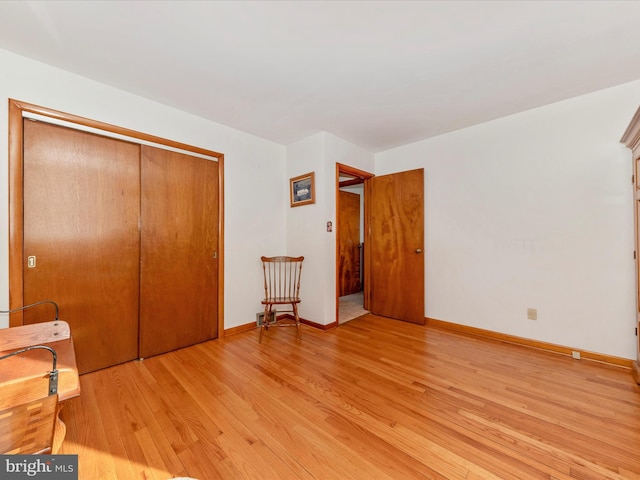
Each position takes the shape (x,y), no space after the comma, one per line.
(234,439)
(241,415)
(373,399)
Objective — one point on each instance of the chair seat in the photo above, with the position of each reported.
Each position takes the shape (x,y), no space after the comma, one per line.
(280,300)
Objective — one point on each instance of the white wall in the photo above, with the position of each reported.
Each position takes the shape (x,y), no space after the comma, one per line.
(533,210)
(305,228)
(255,202)
(307,225)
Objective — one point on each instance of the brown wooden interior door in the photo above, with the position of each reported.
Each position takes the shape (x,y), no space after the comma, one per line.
(179,242)
(348,243)
(81,214)
(396,243)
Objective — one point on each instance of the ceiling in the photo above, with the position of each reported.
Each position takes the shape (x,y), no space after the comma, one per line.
(378,74)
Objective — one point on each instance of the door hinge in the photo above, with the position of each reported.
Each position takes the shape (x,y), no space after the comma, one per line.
(634,254)
(633,179)
(636,331)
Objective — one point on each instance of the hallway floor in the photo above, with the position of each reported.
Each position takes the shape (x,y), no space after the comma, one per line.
(350,307)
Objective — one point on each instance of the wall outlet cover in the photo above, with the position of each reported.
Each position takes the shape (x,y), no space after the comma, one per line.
(260,317)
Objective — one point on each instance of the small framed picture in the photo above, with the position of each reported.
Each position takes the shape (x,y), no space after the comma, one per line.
(302,190)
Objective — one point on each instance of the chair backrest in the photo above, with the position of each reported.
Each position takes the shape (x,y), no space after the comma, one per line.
(281,278)
(28,428)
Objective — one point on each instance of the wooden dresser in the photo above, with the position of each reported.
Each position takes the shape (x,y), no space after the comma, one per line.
(631,139)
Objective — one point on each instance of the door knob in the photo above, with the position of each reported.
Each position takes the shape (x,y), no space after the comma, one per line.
(418,250)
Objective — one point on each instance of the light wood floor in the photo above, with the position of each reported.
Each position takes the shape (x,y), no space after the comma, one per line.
(373,399)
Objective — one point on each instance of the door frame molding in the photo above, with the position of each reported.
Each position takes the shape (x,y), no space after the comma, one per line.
(17,111)
(362,177)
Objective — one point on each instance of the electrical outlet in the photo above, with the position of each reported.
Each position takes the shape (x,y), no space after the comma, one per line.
(575,354)
(532,313)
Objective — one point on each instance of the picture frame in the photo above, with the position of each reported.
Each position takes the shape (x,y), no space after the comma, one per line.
(302,189)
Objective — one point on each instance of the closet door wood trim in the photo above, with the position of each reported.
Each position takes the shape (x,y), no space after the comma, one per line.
(17,110)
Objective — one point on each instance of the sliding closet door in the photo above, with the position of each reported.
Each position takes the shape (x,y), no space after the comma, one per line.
(81,214)
(179,242)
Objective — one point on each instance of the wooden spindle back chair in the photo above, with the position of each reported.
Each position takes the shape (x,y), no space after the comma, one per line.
(281,287)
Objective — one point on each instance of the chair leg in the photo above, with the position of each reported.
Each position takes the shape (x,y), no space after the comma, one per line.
(297,317)
(265,324)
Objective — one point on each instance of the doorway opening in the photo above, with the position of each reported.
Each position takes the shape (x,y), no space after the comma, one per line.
(351,263)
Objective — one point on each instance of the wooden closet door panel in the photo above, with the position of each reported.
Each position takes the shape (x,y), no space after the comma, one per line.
(179,239)
(348,243)
(81,213)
